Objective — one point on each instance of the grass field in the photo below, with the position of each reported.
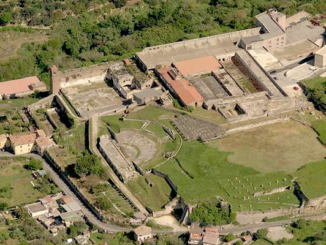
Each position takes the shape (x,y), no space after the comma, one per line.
(234,168)
(282,146)
(311,178)
(15,104)
(154,197)
(320,127)
(11,41)
(202,173)
(14,175)
(116,124)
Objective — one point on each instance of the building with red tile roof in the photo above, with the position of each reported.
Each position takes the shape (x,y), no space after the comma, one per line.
(43,143)
(198,66)
(180,87)
(21,87)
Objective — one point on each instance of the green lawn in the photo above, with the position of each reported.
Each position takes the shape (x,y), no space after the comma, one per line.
(154,197)
(202,172)
(311,178)
(116,124)
(15,104)
(14,175)
(320,127)
(151,113)
(282,146)
(157,129)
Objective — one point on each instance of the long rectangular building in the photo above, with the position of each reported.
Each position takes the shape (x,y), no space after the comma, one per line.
(120,165)
(221,46)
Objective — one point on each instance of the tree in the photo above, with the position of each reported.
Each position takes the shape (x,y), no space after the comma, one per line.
(72,231)
(261,234)
(5,18)
(103,203)
(119,3)
(88,164)
(229,237)
(300,224)
(34,164)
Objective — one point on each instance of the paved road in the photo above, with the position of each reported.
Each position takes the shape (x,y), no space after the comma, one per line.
(265,225)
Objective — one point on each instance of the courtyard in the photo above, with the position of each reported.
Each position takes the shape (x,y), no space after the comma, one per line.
(93,98)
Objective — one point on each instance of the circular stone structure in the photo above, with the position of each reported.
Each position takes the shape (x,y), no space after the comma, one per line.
(136,146)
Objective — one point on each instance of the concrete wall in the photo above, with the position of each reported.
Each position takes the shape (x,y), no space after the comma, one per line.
(201,41)
(79,76)
(320,60)
(275,43)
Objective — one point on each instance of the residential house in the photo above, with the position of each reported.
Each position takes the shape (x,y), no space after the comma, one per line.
(207,236)
(36,209)
(22,143)
(43,143)
(143,233)
(69,218)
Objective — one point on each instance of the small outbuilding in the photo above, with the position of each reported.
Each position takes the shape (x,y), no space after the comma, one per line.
(143,233)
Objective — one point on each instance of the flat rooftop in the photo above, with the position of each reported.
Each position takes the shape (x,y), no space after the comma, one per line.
(303,31)
(296,18)
(192,49)
(198,65)
(265,59)
(270,25)
(153,92)
(322,51)
(295,50)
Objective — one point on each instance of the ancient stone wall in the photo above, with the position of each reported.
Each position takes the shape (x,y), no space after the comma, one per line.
(79,76)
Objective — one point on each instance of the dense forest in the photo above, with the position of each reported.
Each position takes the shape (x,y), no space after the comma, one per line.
(82,32)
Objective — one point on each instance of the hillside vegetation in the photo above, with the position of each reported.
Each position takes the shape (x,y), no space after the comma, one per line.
(86,32)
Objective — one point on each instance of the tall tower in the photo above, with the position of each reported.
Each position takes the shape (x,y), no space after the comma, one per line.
(54,82)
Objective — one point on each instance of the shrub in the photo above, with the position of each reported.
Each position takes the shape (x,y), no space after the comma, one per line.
(229,237)
(103,203)
(34,164)
(3,206)
(261,234)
